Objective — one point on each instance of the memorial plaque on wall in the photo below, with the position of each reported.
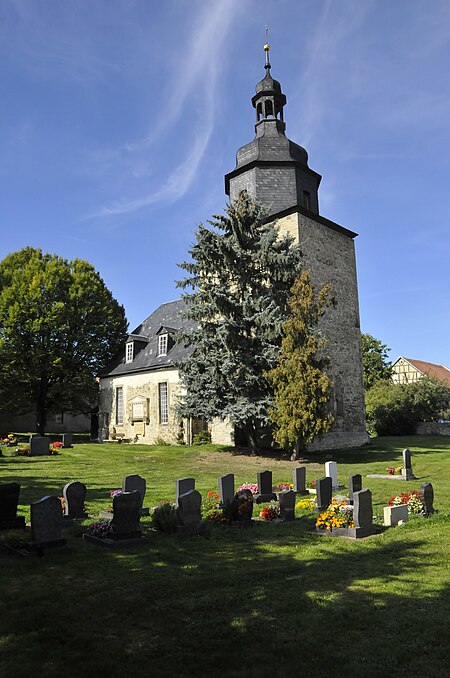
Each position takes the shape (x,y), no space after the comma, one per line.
(139,428)
(137,411)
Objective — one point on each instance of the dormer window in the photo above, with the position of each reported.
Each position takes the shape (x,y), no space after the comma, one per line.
(129,351)
(162,344)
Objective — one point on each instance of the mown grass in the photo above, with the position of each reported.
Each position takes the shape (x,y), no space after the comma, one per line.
(265,601)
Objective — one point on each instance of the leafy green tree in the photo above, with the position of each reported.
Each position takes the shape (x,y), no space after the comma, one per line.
(240,276)
(395,409)
(376,363)
(59,325)
(302,388)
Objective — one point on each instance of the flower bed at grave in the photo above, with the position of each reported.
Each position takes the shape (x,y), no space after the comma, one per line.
(212,509)
(101,529)
(9,441)
(412,499)
(306,504)
(165,517)
(311,484)
(394,470)
(338,514)
(282,487)
(253,487)
(269,513)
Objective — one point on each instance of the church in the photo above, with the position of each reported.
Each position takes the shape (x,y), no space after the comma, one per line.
(140,387)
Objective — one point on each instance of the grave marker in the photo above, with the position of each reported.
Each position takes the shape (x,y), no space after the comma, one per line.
(324,490)
(183,485)
(287,505)
(39,446)
(300,480)
(74,496)
(190,512)
(136,482)
(331,471)
(362,514)
(47,523)
(407,471)
(67,440)
(266,492)
(354,485)
(9,500)
(392,515)
(427,496)
(226,489)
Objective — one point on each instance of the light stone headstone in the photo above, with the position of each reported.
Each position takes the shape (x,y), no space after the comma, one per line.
(300,480)
(67,440)
(354,485)
(47,522)
(126,516)
(39,446)
(324,490)
(9,500)
(265,491)
(190,510)
(407,471)
(74,496)
(331,471)
(226,489)
(183,485)
(392,515)
(287,505)
(134,482)
(363,513)
(427,496)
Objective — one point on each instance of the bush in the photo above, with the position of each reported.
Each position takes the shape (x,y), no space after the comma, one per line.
(165,517)
(395,409)
(202,438)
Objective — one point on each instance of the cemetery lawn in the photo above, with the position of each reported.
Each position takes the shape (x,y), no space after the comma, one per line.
(270,600)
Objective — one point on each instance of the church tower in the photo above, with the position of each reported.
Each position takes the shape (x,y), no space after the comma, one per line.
(275,172)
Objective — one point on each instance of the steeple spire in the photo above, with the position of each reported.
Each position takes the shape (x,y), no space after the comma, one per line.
(269,99)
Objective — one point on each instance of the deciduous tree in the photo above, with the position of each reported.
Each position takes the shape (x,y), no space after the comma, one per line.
(59,325)
(376,363)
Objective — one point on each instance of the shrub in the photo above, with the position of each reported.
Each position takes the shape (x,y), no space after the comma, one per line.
(165,517)
(161,442)
(202,438)
(101,529)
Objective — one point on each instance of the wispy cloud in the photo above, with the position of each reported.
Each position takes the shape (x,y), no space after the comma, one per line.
(201,68)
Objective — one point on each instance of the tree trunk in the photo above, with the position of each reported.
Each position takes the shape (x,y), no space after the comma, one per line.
(252,437)
(41,407)
(298,447)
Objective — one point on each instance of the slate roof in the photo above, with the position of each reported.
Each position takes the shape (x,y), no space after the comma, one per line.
(167,315)
(431,370)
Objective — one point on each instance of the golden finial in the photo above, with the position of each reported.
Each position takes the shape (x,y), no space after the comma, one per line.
(267,48)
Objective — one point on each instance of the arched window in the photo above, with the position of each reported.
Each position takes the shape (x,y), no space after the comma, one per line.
(269,109)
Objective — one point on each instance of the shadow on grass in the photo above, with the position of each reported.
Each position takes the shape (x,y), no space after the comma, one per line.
(233,604)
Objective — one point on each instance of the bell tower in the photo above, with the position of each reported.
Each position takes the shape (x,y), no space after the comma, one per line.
(274,171)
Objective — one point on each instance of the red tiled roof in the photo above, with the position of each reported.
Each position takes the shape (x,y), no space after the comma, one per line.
(431,370)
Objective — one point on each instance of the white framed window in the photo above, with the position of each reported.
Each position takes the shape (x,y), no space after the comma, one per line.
(163,398)
(162,344)
(129,352)
(119,405)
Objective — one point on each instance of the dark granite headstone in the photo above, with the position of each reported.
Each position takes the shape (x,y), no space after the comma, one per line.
(126,516)
(427,496)
(190,511)
(67,440)
(9,500)
(47,523)
(39,446)
(226,489)
(287,505)
(407,471)
(183,485)
(74,496)
(136,482)
(363,513)
(354,485)
(243,506)
(265,487)
(324,489)
(300,480)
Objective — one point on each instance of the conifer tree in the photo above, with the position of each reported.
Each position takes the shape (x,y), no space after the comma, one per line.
(240,276)
(301,385)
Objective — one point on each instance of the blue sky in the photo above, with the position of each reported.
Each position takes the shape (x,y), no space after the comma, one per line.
(119,119)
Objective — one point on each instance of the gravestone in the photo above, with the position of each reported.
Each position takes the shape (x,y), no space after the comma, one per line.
(9,500)
(287,505)
(324,490)
(183,485)
(331,471)
(67,440)
(243,507)
(300,480)
(265,487)
(354,485)
(74,496)
(392,515)
(136,482)
(427,496)
(226,489)
(362,514)
(126,515)
(47,523)
(39,446)
(190,512)
(407,471)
